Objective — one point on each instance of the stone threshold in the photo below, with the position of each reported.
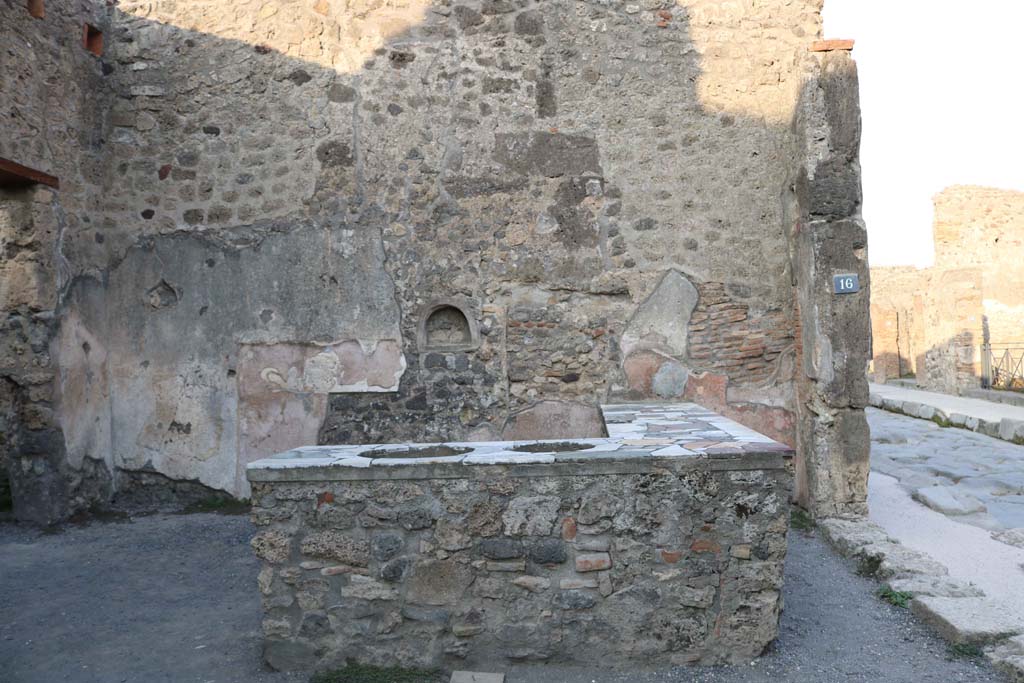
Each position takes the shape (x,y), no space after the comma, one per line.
(1005,429)
(960,613)
(642,437)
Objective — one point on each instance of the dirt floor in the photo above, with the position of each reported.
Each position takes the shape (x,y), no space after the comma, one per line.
(173,598)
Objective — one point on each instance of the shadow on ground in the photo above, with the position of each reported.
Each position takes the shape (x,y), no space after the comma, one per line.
(173,598)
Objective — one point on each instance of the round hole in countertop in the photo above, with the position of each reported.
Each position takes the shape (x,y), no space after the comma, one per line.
(438,451)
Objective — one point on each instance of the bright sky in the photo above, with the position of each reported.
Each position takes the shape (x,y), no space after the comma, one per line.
(942,99)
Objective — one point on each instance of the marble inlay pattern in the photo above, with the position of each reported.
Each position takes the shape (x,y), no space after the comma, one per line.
(635,430)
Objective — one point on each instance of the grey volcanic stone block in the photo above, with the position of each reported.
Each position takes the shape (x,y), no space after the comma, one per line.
(848,536)
(973,621)
(948,501)
(288,655)
(896,560)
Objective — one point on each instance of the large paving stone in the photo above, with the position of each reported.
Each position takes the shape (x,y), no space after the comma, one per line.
(948,501)
(974,621)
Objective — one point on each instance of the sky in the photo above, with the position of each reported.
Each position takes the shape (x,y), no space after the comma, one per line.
(942,102)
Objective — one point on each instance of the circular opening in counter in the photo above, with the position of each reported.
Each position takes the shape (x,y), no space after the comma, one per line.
(439,451)
(557,447)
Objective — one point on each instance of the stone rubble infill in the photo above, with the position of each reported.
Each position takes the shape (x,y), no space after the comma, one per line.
(984,417)
(481,555)
(959,612)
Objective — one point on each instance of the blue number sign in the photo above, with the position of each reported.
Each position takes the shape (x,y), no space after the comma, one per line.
(845,284)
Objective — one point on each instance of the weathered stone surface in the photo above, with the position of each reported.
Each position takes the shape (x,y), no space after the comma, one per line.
(476,677)
(534,584)
(548,551)
(662,322)
(272,546)
(438,582)
(891,559)
(848,536)
(973,621)
(555,420)
(532,594)
(506,566)
(502,548)
(575,600)
(386,545)
(948,501)
(335,545)
(548,154)
(936,586)
(366,588)
(1008,658)
(593,562)
(531,516)
(289,655)
(1014,537)
(832,388)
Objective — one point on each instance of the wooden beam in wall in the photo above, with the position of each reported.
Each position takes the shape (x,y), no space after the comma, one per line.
(13,174)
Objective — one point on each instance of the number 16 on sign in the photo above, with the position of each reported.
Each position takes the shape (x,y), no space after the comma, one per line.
(847,283)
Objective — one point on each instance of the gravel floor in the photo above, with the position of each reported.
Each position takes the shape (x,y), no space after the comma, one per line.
(173,598)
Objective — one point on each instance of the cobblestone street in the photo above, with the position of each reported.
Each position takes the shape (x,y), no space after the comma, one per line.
(957,497)
(970,477)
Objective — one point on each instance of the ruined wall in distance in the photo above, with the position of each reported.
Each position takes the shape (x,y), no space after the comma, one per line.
(970,296)
(983,228)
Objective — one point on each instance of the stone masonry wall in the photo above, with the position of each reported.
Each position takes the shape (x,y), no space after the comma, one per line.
(983,228)
(51,120)
(282,193)
(673,565)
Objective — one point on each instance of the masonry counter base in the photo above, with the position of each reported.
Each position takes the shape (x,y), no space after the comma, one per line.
(658,546)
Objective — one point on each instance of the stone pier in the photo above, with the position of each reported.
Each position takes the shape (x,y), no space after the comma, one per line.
(662,544)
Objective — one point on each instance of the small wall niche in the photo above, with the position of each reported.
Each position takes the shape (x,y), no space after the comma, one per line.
(92,39)
(36,8)
(445,326)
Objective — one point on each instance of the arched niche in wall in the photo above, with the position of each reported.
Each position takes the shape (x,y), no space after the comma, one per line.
(447,326)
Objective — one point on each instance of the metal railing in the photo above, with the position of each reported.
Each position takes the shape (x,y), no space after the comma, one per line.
(1002,366)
